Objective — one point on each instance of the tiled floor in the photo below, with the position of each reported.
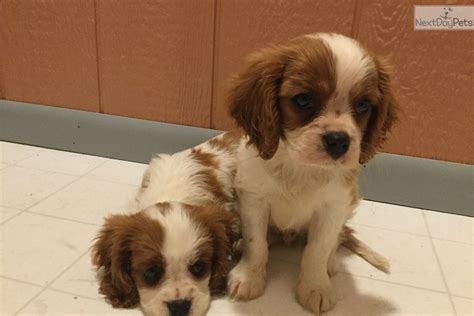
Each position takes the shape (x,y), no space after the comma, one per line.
(53,202)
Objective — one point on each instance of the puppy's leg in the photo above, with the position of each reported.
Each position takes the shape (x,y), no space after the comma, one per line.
(247,279)
(333,264)
(314,290)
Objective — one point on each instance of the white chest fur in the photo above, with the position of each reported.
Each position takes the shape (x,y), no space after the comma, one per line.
(292,195)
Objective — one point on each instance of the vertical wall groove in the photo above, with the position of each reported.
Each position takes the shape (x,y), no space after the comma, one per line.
(97,51)
(214,63)
(2,48)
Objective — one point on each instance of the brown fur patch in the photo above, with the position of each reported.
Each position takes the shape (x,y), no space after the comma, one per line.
(228,141)
(383,114)
(260,101)
(120,237)
(224,229)
(163,207)
(310,71)
(208,175)
(206,159)
(214,186)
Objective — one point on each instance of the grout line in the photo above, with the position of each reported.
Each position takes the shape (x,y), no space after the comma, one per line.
(49,283)
(75,294)
(61,218)
(389,229)
(21,281)
(51,194)
(214,63)
(464,297)
(40,149)
(374,278)
(453,241)
(52,171)
(394,283)
(439,265)
(100,179)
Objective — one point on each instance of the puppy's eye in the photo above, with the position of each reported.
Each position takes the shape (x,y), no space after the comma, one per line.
(152,275)
(363,106)
(302,100)
(198,269)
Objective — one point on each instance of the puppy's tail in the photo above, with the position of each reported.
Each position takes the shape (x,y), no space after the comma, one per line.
(349,241)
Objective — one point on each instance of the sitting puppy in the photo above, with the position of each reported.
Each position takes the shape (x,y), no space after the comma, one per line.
(174,253)
(313,111)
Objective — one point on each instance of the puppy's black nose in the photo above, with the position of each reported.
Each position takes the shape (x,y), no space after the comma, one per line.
(336,144)
(179,307)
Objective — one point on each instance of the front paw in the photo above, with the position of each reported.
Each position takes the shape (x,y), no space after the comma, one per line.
(245,282)
(315,296)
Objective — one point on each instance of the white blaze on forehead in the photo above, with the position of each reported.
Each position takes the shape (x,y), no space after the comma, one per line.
(181,233)
(351,61)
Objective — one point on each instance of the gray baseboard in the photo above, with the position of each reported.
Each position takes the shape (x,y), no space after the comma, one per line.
(415,182)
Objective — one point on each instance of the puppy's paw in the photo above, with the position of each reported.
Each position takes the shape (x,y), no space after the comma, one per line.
(317,298)
(246,283)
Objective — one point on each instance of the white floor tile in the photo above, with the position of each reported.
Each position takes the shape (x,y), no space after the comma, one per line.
(357,296)
(456,260)
(364,297)
(36,248)
(394,217)
(463,306)
(56,303)
(11,153)
(450,227)
(88,200)
(80,279)
(15,295)
(62,161)
(282,278)
(7,213)
(412,259)
(120,171)
(23,187)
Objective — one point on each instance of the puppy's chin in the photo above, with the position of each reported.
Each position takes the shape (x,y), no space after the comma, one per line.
(321,159)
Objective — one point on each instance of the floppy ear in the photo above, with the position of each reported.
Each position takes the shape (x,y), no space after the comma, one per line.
(111,251)
(226,231)
(383,115)
(224,227)
(253,100)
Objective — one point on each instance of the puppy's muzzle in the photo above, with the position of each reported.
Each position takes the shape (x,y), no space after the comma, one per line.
(336,144)
(179,307)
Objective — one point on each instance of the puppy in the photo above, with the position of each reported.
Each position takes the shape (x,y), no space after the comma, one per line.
(174,253)
(313,111)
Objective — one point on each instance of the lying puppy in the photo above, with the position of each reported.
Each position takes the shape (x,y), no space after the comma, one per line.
(174,253)
(313,110)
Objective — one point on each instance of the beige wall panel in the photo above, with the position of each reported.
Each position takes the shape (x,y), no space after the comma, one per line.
(433,80)
(156,59)
(49,53)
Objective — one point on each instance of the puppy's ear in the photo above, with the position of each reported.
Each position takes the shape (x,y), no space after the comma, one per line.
(111,251)
(224,227)
(226,231)
(253,100)
(383,115)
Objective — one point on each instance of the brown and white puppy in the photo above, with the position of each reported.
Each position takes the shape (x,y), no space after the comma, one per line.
(174,253)
(313,110)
